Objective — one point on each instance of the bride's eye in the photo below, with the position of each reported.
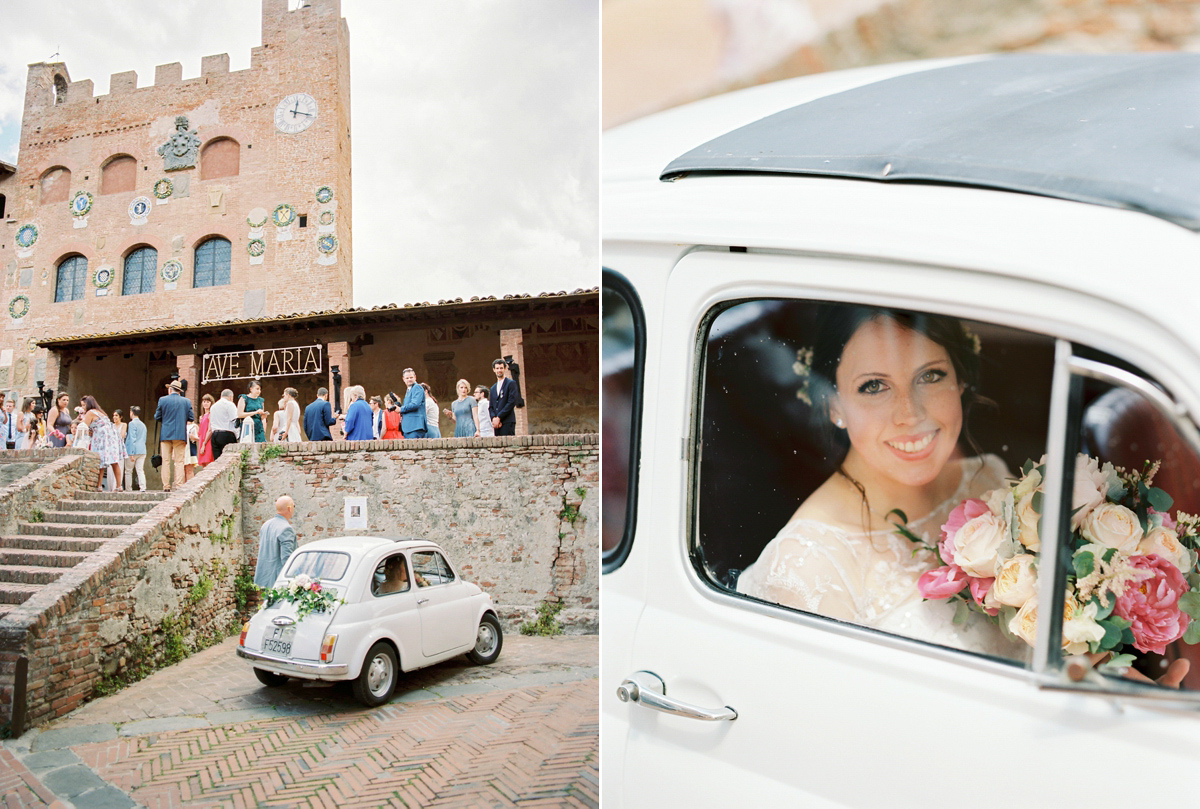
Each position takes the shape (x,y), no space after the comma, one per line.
(933,375)
(871,387)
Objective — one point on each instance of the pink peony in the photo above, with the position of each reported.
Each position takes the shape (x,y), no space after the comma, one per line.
(1152,604)
(979,591)
(941,582)
(315,587)
(966,511)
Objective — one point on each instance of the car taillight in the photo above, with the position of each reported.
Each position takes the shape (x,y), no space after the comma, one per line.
(245,629)
(327,648)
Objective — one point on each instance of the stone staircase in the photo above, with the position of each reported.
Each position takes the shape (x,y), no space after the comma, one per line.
(41,552)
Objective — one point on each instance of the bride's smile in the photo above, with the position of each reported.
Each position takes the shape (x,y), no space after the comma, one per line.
(899,400)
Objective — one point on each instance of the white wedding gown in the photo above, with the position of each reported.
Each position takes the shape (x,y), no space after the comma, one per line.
(871,578)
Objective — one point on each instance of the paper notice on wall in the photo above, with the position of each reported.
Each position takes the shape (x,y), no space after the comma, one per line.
(356,513)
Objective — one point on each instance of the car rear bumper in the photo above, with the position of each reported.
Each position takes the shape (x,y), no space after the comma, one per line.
(291,667)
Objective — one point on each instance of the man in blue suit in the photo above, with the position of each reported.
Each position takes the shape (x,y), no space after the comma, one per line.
(503,399)
(318,417)
(175,412)
(412,411)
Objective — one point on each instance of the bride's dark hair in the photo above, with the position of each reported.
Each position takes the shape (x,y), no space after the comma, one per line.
(837,323)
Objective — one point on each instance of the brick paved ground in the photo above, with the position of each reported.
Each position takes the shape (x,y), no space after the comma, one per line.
(522,732)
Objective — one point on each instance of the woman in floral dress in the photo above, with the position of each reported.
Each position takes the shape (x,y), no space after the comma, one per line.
(105,441)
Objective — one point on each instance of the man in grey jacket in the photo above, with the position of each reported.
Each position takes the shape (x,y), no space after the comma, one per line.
(276,541)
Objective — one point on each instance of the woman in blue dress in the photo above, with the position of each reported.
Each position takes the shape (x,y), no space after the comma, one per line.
(463,411)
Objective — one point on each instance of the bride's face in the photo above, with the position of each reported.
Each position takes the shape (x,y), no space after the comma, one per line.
(899,401)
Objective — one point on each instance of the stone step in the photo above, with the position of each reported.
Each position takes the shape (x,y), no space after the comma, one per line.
(37,557)
(93,517)
(108,506)
(45,543)
(28,574)
(66,529)
(119,496)
(13,593)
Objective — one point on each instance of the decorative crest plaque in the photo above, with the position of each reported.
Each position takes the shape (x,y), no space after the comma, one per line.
(181,150)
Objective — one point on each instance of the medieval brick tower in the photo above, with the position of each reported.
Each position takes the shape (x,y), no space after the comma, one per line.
(220,197)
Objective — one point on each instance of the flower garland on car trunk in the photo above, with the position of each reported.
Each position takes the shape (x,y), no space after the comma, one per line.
(307,594)
(1133,585)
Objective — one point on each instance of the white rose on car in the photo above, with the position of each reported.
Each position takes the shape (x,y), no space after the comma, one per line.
(1016,582)
(1027,518)
(1165,543)
(1113,526)
(1091,489)
(976,545)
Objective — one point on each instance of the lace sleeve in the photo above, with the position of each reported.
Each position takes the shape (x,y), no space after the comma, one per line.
(807,566)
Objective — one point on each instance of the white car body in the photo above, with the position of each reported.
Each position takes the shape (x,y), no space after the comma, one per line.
(424,625)
(827,714)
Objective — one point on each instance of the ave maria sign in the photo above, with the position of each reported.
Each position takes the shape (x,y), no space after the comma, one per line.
(265,362)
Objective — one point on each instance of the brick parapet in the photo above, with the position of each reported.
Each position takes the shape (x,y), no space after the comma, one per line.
(65,470)
(86,624)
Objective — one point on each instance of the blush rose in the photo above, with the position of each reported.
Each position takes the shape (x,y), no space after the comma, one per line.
(1152,604)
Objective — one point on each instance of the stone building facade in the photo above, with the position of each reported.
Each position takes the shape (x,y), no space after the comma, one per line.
(223,196)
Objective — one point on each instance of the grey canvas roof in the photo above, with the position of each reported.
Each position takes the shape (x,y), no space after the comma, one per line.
(1116,130)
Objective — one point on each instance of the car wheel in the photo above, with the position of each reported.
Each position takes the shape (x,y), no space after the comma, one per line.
(488,641)
(269,678)
(378,676)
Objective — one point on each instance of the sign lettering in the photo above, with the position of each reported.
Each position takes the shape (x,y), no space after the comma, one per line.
(266,362)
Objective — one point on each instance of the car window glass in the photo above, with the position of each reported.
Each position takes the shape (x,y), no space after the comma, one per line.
(431,569)
(1135,496)
(391,576)
(623,358)
(817,420)
(328,565)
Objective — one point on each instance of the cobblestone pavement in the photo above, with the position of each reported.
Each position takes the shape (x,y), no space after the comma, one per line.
(205,732)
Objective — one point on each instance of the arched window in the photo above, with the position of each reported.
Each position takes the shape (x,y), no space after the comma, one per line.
(141,266)
(212,263)
(71,279)
(3,205)
(220,158)
(60,89)
(119,174)
(56,184)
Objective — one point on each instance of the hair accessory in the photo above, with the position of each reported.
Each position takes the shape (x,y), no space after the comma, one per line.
(973,339)
(840,423)
(803,368)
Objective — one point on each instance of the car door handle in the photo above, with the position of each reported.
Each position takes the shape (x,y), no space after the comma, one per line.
(422,600)
(647,688)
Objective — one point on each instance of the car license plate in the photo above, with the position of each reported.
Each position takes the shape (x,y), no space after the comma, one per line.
(278,640)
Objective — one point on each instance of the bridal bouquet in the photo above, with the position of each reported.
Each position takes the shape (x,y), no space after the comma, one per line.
(1133,580)
(307,594)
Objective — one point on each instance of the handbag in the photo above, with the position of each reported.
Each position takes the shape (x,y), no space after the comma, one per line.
(156,459)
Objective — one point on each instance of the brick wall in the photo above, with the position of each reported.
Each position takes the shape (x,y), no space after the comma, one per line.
(133,590)
(503,508)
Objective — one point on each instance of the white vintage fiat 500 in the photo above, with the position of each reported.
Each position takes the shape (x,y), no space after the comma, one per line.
(364,609)
(901,383)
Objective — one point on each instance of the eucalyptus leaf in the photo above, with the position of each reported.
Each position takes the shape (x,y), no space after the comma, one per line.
(1192,636)
(1189,602)
(1005,618)
(1159,500)
(1028,465)
(1119,622)
(1123,661)
(1108,555)
(1038,499)
(1127,637)
(961,611)
(1112,635)
(1084,563)
(1103,609)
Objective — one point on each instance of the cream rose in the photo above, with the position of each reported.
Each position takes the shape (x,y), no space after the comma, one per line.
(1091,489)
(1016,582)
(976,544)
(1028,484)
(1024,623)
(1027,517)
(1165,543)
(1113,526)
(1080,629)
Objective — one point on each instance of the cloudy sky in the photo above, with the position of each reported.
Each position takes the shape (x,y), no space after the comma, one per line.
(476,125)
